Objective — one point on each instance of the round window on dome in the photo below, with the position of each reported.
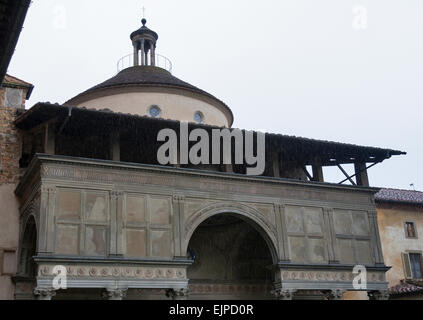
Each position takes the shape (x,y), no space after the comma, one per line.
(199,117)
(154,111)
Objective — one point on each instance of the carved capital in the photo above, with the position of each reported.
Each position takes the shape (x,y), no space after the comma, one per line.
(178,294)
(378,295)
(178,198)
(335,294)
(114,294)
(116,194)
(284,294)
(44,293)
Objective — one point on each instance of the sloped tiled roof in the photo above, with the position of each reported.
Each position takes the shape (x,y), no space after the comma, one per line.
(302,149)
(399,196)
(405,289)
(10,81)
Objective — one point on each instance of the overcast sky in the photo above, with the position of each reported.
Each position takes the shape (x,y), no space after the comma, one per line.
(341,70)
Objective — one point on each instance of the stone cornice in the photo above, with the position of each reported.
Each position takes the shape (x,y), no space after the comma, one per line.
(40,159)
(111,260)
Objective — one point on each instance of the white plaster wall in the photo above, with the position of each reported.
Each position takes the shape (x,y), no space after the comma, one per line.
(173,106)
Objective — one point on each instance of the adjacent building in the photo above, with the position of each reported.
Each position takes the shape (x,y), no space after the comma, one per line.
(400,218)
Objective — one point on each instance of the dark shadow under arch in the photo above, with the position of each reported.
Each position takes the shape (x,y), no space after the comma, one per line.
(248,214)
(28,250)
(228,249)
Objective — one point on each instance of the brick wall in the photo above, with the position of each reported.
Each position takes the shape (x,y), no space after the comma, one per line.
(2,96)
(10,147)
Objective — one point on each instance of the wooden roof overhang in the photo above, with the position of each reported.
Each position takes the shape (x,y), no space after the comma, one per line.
(81,121)
(12,17)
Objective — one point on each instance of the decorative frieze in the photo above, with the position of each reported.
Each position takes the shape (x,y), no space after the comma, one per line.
(325,276)
(118,272)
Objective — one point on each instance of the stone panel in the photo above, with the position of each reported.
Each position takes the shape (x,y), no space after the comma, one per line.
(96,206)
(161,244)
(135,209)
(136,243)
(361,225)
(317,251)
(67,242)
(160,211)
(313,220)
(294,219)
(298,249)
(346,251)
(69,205)
(95,241)
(364,252)
(342,221)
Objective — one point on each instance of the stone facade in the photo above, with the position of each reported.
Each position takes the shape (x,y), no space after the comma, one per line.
(392,218)
(10,154)
(10,147)
(130,226)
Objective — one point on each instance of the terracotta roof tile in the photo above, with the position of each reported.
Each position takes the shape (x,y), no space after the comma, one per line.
(8,79)
(399,196)
(405,288)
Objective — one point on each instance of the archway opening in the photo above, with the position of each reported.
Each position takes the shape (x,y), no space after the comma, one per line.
(27,266)
(232,260)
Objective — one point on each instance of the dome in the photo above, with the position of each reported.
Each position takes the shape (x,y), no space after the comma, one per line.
(144,88)
(144,31)
(135,89)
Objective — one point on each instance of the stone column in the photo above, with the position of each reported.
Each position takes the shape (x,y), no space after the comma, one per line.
(114,294)
(153,54)
(146,58)
(378,295)
(143,52)
(178,294)
(136,55)
(44,293)
(284,294)
(335,294)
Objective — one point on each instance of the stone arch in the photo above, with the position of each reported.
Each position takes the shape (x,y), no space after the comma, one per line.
(28,247)
(246,213)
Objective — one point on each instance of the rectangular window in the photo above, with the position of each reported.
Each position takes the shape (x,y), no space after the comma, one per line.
(412,262)
(410,230)
(416,265)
